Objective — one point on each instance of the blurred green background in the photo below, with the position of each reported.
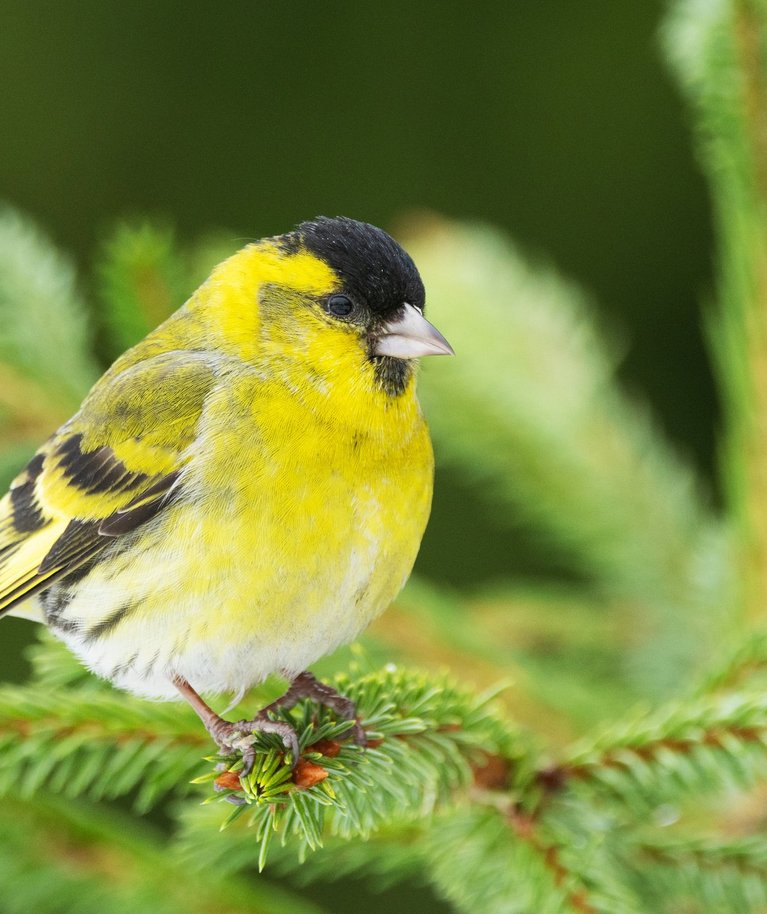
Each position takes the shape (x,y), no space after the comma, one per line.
(556,121)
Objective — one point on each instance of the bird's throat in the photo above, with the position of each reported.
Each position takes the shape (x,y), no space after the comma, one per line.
(393,376)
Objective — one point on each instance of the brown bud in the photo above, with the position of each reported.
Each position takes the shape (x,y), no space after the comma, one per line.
(492,773)
(229,780)
(307,774)
(328,747)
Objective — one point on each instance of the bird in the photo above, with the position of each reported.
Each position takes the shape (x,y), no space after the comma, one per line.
(245,489)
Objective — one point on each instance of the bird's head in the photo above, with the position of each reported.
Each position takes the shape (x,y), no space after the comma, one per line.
(339,296)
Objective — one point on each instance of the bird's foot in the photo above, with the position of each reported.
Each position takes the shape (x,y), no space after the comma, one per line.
(306,685)
(239,736)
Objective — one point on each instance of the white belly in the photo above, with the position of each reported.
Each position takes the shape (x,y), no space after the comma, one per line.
(224,620)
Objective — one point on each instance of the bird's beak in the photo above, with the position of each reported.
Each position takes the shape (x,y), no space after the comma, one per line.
(411,336)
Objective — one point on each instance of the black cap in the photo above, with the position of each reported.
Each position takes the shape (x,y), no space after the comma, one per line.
(370,263)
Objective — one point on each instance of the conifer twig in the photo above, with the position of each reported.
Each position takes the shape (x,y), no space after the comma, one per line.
(57,857)
(142,279)
(531,410)
(671,753)
(701,874)
(719,52)
(43,329)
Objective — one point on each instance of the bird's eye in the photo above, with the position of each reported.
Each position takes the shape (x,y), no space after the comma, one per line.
(340,305)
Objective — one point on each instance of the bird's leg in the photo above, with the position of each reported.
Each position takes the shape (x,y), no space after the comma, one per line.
(306,685)
(229,735)
(232,735)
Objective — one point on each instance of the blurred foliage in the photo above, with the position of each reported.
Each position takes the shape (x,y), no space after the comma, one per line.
(622,767)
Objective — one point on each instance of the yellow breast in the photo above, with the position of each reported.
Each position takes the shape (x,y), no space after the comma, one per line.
(295,528)
(322,516)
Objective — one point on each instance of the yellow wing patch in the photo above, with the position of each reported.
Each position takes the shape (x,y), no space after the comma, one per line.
(47,539)
(112,467)
(20,511)
(19,574)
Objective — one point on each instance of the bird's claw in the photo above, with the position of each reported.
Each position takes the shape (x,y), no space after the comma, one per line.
(358,733)
(239,736)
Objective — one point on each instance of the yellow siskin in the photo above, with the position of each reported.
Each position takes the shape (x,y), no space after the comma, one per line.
(246,488)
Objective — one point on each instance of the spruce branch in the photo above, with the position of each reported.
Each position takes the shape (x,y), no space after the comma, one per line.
(390,855)
(701,874)
(480,853)
(503,860)
(739,669)
(480,863)
(560,648)
(426,740)
(719,52)
(142,279)
(532,412)
(96,742)
(683,749)
(58,857)
(44,339)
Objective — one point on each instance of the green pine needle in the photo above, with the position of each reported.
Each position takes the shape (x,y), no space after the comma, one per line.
(424,735)
(143,279)
(686,749)
(43,329)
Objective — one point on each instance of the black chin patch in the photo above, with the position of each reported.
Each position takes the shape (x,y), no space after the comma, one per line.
(372,267)
(392,375)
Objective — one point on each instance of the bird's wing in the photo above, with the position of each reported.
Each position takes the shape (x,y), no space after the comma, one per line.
(105,472)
